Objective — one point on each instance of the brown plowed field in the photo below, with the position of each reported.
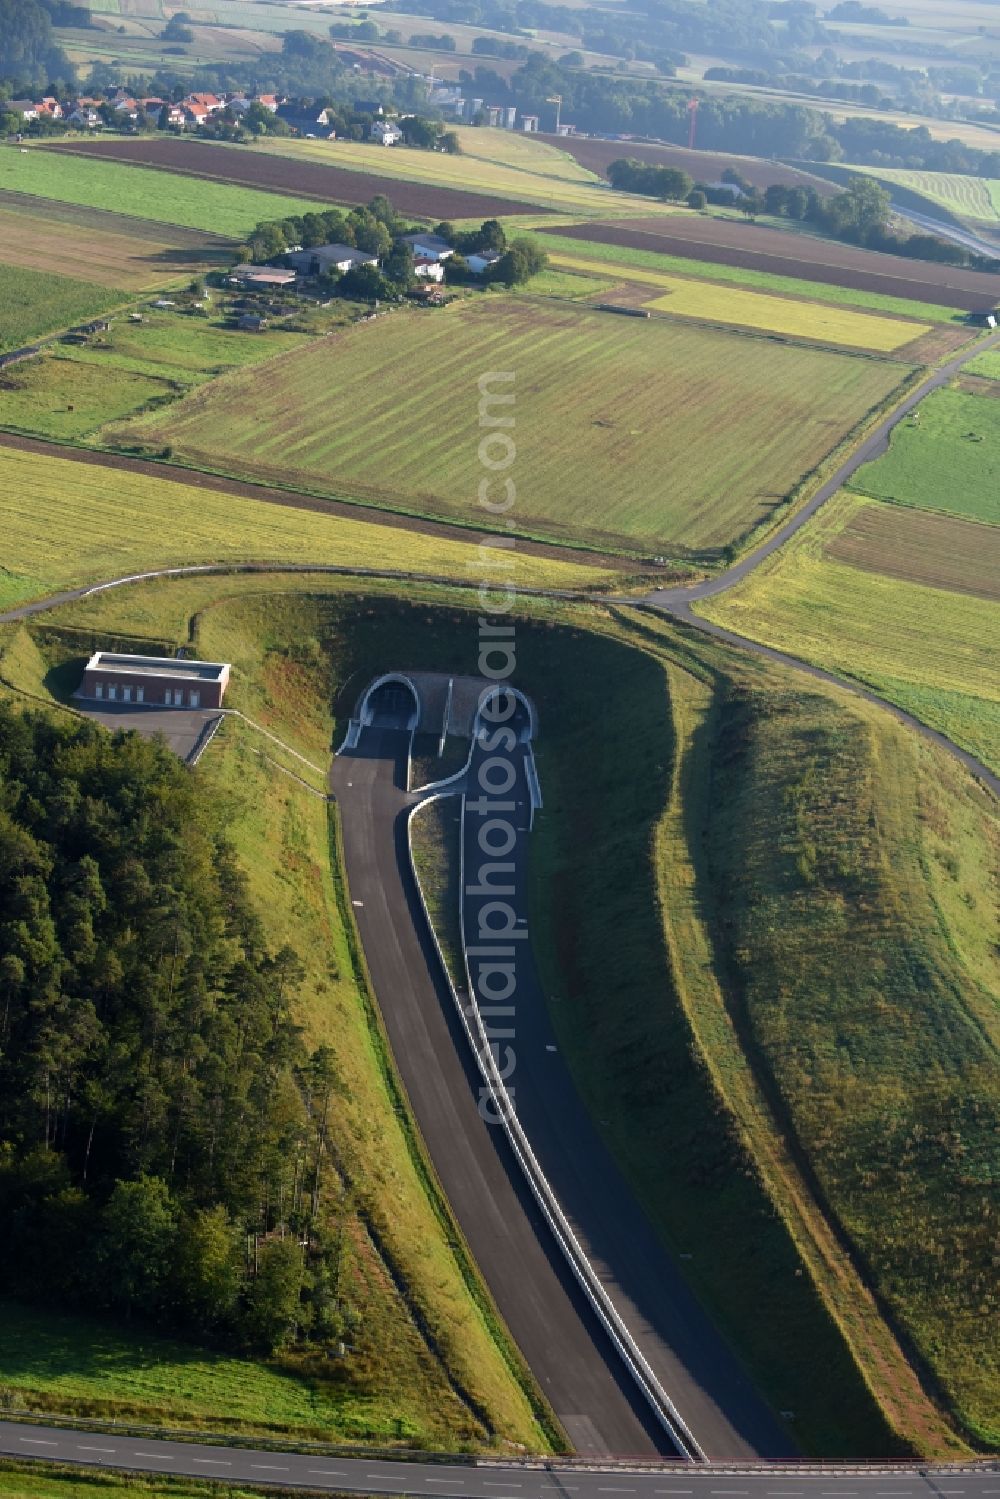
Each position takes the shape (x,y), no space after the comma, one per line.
(301,179)
(704,166)
(729,242)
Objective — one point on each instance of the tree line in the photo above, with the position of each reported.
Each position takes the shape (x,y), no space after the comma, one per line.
(163,1140)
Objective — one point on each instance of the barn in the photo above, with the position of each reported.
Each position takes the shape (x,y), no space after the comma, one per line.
(155,681)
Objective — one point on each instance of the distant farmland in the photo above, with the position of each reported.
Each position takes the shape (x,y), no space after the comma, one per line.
(639,434)
(259,175)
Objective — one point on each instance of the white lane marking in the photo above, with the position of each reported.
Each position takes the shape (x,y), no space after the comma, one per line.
(37,1442)
(216,1462)
(459,1481)
(616,1491)
(328,1472)
(161,1457)
(488,1485)
(271,1467)
(81,1448)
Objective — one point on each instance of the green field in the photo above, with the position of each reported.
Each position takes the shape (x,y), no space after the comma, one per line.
(967,197)
(792,286)
(987,365)
(66,524)
(33,303)
(24,1480)
(928,648)
(145,193)
(947,458)
(71,392)
(629,433)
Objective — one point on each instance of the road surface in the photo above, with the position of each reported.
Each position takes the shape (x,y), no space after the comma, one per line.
(485,1480)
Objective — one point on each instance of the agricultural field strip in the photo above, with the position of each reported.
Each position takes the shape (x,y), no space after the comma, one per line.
(132,263)
(65,525)
(501,180)
(614,257)
(613,475)
(761,310)
(142,193)
(270,176)
(37,304)
(752,252)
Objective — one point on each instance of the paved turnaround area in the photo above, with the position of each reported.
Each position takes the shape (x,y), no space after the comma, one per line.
(488,1480)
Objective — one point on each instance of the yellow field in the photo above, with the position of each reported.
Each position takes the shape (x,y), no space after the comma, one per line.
(67,523)
(520,184)
(716,303)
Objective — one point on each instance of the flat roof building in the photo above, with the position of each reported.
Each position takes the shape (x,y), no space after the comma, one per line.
(156,681)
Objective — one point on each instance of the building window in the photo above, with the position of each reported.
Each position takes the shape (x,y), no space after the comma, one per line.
(140,693)
(194,698)
(126,694)
(112,691)
(98,689)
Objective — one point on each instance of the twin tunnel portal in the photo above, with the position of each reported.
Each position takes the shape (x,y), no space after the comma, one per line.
(628,1361)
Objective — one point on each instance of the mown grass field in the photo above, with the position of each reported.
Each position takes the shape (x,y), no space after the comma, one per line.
(968,197)
(32,235)
(822,323)
(73,391)
(520,183)
(921,644)
(33,303)
(629,433)
(66,524)
(987,365)
(616,258)
(945,458)
(142,192)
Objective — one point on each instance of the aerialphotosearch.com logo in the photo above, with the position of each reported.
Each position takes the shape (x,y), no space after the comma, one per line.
(490,947)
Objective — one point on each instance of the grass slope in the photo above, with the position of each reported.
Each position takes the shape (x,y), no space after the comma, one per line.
(968,197)
(141,192)
(66,524)
(771,867)
(429,1363)
(33,303)
(947,458)
(629,433)
(22,1480)
(921,646)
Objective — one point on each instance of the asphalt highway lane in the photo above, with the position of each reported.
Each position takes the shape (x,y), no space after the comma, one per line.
(567,1350)
(683,1347)
(485,1480)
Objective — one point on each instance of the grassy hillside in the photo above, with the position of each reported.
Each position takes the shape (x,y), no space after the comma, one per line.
(429,1362)
(33,303)
(22,1480)
(711,1022)
(871,862)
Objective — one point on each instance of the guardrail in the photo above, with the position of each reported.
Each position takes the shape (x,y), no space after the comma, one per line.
(583,1272)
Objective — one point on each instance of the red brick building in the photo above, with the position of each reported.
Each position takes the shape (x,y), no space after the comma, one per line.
(157,681)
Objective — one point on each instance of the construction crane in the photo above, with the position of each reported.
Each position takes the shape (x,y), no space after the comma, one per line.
(556,99)
(693,126)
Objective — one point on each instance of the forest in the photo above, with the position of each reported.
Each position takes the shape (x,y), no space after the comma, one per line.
(163,1143)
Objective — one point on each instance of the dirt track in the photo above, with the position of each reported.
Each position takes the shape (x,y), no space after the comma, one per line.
(785,253)
(301,179)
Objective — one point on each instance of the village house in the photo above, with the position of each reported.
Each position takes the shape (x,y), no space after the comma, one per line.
(85,115)
(261,277)
(323,259)
(481,260)
(385,132)
(309,122)
(25,109)
(426,269)
(428,246)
